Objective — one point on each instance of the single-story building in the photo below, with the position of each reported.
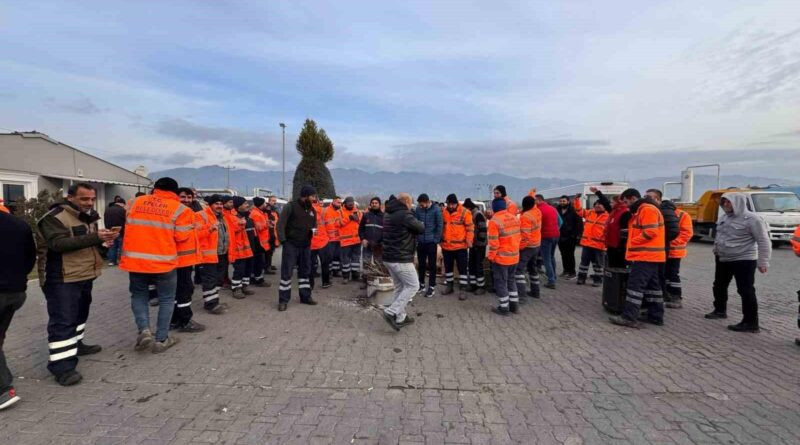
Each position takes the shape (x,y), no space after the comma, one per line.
(32,161)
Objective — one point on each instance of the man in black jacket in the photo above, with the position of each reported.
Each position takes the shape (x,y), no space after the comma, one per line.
(17,257)
(296,224)
(571,230)
(114,216)
(400,230)
(671,230)
(370,231)
(477,253)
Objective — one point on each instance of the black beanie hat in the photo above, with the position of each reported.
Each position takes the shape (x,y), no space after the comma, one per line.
(423,198)
(258,201)
(527,203)
(501,189)
(225,198)
(451,199)
(212,199)
(166,184)
(238,201)
(307,190)
(469,204)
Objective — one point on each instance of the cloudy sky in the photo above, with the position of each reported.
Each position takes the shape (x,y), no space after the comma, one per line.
(580,89)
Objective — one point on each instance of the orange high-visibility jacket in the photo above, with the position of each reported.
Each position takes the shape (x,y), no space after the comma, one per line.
(240,245)
(511,207)
(504,238)
(646,235)
(348,229)
(796,241)
(458,228)
(320,239)
(332,219)
(530,227)
(208,237)
(594,228)
(189,250)
(154,227)
(261,222)
(677,247)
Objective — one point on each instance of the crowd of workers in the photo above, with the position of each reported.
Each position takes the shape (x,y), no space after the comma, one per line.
(169,241)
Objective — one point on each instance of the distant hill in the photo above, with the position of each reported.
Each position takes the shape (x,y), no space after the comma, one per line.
(359,183)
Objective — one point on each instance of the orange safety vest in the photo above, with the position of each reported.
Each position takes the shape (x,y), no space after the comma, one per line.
(458,229)
(504,238)
(646,235)
(320,239)
(677,247)
(796,241)
(530,225)
(348,229)
(261,222)
(594,228)
(511,207)
(208,239)
(154,228)
(240,245)
(189,250)
(332,220)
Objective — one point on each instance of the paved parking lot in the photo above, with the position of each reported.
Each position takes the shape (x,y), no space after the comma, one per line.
(337,374)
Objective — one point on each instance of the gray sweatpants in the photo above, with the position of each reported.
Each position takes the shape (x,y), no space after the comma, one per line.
(406,285)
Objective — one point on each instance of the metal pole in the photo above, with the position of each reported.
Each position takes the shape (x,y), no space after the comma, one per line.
(283,162)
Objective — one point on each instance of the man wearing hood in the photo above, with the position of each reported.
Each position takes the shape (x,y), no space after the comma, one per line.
(296,227)
(349,240)
(647,254)
(400,230)
(741,246)
(245,240)
(457,237)
(477,253)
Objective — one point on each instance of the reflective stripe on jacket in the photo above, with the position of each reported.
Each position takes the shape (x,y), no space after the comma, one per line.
(189,249)
(208,237)
(504,239)
(240,246)
(332,219)
(155,225)
(677,247)
(261,223)
(458,229)
(646,235)
(594,228)
(530,226)
(348,229)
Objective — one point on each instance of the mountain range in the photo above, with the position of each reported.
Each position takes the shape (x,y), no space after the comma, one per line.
(354,182)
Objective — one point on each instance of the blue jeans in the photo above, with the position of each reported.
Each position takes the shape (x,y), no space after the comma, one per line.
(548,250)
(166,284)
(113,251)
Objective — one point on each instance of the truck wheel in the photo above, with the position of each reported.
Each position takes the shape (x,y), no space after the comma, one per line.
(777,244)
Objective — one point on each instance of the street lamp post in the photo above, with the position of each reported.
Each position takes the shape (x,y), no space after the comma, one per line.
(283,156)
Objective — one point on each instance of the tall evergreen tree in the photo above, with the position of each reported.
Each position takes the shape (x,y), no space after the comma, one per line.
(316,148)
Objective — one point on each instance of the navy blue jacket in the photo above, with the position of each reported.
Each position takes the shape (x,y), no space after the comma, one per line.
(432,219)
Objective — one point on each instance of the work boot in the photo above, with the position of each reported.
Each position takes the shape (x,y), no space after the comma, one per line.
(622,321)
(581,280)
(533,294)
(84,349)
(310,302)
(391,320)
(448,289)
(480,291)
(714,315)
(237,294)
(69,378)
(262,283)
(281,307)
(646,319)
(217,310)
(191,327)
(674,304)
(513,307)
(502,311)
(247,291)
(326,285)
(744,327)
(162,346)
(144,340)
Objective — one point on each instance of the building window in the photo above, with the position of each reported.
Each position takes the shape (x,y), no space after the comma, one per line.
(13,192)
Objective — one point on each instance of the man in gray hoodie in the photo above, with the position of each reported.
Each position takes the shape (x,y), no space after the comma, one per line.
(742,244)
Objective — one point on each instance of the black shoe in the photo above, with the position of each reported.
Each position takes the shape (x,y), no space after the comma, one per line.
(550,285)
(501,311)
(261,283)
(216,310)
(84,349)
(674,304)
(326,285)
(622,321)
(389,318)
(563,274)
(744,327)
(581,281)
(513,307)
(191,327)
(281,307)
(406,321)
(309,302)
(716,315)
(430,292)
(570,276)
(533,294)
(247,291)
(448,289)
(480,291)
(69,378)
(646,319)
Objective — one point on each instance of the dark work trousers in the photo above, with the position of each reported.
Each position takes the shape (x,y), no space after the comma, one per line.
(567,248)
(241,273)
(505,284)
(672,283)
(68,308)
(257,262)
(456,258)
(350,257)
(322,258)
(744,272)
(527,263)
(183,297)
(426,259)
(597,258)
(643,286)
(198,276)
(475,266)
(10,302)
(335,252)
(292,256)
(213,274)
(268,259)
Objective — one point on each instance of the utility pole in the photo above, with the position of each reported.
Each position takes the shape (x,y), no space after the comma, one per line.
(228,182)
(283,161)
